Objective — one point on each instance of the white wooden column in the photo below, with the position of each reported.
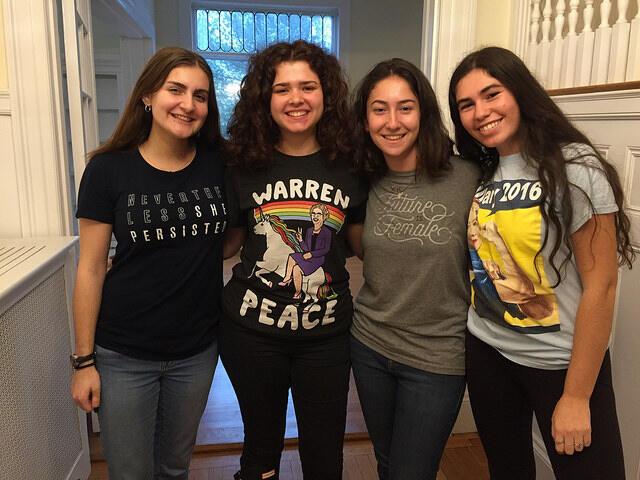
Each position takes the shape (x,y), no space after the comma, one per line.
(586,42)
(570,50)
(602,47)
(542,60)
(619,45)
(557,46)
(453,36)
(633,58)
(37,126)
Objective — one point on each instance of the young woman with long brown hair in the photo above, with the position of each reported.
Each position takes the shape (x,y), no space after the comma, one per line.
(145,330)
(546,235)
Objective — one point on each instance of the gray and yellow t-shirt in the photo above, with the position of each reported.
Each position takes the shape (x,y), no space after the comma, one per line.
(515,306)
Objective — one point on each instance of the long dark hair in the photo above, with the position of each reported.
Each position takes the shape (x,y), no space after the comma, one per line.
(544,131)
(433,144)
(253,134)
(134,125)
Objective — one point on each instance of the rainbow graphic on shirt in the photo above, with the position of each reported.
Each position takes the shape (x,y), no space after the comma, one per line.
(299,210)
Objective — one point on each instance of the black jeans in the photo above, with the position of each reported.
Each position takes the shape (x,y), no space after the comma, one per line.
(505,395)
(262,369)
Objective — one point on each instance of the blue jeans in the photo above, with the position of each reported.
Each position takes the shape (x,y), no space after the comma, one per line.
(409,413)
(150,411)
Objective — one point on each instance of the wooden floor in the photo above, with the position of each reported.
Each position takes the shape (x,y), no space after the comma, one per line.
(463,459)
(219,440)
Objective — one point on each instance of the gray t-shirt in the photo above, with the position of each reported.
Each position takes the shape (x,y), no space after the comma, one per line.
(413,305)
(514,309)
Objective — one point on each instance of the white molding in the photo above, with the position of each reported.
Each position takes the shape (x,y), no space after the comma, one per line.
(430,25)
(456,31)
(520,24)
(616,105)
(597,96)
(33,66)
(5,103)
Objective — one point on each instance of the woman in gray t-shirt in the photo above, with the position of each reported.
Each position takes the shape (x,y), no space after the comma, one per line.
(407,346)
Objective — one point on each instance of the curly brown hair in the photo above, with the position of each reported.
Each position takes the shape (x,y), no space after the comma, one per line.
(253,134)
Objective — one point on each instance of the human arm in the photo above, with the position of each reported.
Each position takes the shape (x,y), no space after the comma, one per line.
(354,238)
(95,238)
(594,248)
(234,238)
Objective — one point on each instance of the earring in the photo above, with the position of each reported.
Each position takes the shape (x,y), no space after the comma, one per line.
(147,108)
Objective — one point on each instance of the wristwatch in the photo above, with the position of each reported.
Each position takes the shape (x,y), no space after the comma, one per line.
(84,361)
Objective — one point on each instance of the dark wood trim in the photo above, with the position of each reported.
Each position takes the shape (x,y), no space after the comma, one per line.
(607,87)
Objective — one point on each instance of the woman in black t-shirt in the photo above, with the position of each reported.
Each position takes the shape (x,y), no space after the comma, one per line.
(145,330)
(284,330)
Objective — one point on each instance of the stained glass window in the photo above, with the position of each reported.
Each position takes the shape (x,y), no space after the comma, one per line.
(227,38)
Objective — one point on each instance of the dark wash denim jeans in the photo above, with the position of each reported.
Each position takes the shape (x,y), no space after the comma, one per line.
(409,413)
(262,369)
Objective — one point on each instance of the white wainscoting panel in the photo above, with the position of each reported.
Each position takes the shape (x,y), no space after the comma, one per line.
(612,120)
(10,213)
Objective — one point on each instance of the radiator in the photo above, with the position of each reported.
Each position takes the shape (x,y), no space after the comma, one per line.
(42,434)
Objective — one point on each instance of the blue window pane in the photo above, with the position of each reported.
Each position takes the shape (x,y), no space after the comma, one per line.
(237,34)
(327,33)
(316,29)
(305,28)
(249,32)
(294,27)
(272,28)
(283,27)
(201,30)
(225,31)
(214,30)
(261,31)
(227,76)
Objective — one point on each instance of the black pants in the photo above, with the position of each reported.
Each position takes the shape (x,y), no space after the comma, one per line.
(504,395)
(262,369)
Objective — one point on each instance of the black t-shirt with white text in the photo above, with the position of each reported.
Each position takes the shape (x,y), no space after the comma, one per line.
(292,280)
(161,298)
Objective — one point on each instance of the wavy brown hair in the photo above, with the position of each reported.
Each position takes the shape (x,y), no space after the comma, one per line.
(253,134)
(433,145)
(544,131)
(134,125)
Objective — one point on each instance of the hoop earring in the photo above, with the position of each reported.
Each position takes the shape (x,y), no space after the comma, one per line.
(147,108)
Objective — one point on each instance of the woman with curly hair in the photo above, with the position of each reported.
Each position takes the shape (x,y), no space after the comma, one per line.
(290,140)
(549,230)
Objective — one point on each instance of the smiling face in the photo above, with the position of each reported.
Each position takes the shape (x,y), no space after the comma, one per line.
(296,100)
(489,111)
(179,107)
(393,122)
(317,218)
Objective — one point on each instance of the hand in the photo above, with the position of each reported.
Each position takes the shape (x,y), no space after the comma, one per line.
(307,255)
(493,270)
(571,424)
(299,234)
(85,388)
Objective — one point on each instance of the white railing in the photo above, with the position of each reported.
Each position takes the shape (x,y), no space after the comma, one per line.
(583,42)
